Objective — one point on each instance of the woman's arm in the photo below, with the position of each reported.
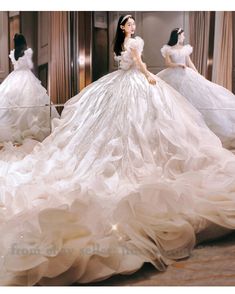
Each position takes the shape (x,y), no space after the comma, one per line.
(190,64)
(169,63)
(142,66)
(29,57)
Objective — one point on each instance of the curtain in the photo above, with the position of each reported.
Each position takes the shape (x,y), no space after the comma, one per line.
(223,50)
(60,68)
(199,25)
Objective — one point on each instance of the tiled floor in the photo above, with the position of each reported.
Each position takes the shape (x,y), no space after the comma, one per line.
(211,264)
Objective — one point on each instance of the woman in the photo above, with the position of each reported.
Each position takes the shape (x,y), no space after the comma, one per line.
(23,110)
(130,174)
(210,99)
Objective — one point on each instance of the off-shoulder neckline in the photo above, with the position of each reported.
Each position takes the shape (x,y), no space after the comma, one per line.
(135,38)
(132,39)
(171,47)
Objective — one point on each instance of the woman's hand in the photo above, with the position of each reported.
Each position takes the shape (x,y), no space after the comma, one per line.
(182,65)
(151,80)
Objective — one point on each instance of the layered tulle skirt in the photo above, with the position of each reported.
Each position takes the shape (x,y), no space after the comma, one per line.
(215,103)
(130,174)
(24,108)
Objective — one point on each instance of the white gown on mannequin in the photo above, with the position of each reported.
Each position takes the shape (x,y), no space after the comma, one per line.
(216,104)
(21,89)
(130,174)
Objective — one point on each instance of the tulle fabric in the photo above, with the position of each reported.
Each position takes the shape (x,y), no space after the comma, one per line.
(216,104)
(25,106)
(125,60)
(184,51)
(130,174)
(23,62)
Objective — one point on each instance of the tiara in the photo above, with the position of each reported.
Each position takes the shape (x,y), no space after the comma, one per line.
(180,29)
(125,17)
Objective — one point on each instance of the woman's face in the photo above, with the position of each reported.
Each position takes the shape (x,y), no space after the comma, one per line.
(129,27)
(181,38)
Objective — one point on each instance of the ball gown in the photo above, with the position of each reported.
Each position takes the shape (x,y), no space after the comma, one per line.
(130,174)
(216,103)
(23,100)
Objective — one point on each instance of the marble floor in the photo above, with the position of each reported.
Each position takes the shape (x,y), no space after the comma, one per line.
(210,264)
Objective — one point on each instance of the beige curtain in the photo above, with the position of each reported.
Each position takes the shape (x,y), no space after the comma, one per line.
(223,50)
(199,23)
(60,69)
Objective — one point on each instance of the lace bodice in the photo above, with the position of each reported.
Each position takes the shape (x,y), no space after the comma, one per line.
(24,62)
(177,55)
(125,60)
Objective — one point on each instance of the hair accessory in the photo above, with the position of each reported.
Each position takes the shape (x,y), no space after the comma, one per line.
(180,29)
(125,17)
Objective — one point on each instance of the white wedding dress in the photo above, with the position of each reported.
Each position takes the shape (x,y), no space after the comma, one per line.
(23,100)
(130,174)
(216,104)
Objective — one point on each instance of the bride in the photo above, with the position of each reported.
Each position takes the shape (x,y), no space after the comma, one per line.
(130,174)
(23,110)
(209,98)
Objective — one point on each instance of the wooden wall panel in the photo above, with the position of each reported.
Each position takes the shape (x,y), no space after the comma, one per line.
(4,50)
(43,37)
